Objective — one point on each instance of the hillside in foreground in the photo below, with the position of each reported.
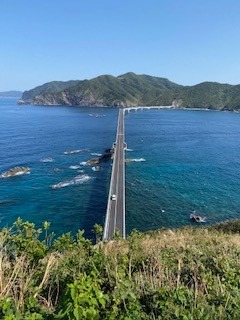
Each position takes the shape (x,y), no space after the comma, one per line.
(131,89)
(187,273)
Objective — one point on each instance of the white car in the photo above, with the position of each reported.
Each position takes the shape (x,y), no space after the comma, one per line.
(113,197)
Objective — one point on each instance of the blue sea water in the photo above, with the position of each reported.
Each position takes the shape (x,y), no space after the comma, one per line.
(31,134)
(192,162)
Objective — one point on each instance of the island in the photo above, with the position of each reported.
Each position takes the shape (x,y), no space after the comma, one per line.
(131,89)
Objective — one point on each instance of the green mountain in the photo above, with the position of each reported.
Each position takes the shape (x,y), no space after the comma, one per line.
(50,87)
(125,90)
(209,95)
(11,94)
(133,90)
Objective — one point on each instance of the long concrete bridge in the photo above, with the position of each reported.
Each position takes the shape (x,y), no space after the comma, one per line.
(115,215)
(148,108)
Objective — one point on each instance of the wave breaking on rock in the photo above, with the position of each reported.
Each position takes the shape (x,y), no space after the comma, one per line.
(75,151)
(16,171)
(48,159)
(77,180)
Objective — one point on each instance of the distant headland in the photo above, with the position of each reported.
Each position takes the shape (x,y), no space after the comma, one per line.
(11,94)
(131,89)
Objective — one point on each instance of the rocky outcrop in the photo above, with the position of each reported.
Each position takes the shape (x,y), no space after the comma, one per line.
(106,156)
(96,168)
(64,99)
(16,171)
(93,161)
(21,101)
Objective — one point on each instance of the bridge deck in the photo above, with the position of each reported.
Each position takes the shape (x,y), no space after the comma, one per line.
(115,216)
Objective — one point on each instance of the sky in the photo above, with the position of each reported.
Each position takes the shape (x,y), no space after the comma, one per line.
(186,41)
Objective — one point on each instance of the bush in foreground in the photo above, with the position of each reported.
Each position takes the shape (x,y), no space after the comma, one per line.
(189,273)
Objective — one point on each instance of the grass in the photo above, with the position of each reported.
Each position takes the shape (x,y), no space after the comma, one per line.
(186,273)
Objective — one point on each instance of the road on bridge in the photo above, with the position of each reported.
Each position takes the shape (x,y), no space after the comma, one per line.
(115,216)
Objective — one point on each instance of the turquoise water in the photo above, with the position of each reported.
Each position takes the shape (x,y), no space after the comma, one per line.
(31,134)
(192,162)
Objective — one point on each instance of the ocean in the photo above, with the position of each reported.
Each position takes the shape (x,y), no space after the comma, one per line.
(184,161)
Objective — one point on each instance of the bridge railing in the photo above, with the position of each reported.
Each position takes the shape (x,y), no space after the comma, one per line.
(110,191)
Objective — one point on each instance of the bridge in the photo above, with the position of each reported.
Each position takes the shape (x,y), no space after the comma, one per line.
(115,215)
(148,108)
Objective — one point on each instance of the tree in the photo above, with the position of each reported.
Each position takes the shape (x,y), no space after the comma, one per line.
(98,230)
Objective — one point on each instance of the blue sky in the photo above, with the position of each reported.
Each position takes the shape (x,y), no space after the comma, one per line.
(186,41)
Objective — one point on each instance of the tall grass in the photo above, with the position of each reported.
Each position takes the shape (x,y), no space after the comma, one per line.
(188,273)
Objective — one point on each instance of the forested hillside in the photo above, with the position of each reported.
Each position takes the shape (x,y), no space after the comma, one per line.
(134,90)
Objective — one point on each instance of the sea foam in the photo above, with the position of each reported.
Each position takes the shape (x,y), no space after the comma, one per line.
(47,159)
(75,151)
(77,180)
(96,154)
(138,160)
(72,151)
(74,167)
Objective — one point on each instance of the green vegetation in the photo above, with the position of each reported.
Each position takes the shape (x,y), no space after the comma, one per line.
(188,273)
(133,90)
(209,95)
(50,87)
(126,90)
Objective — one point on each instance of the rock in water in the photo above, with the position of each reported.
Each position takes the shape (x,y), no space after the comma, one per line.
(96,168)
(16,171)
(93,161)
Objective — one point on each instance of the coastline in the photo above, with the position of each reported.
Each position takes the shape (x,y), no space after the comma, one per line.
(22,102)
